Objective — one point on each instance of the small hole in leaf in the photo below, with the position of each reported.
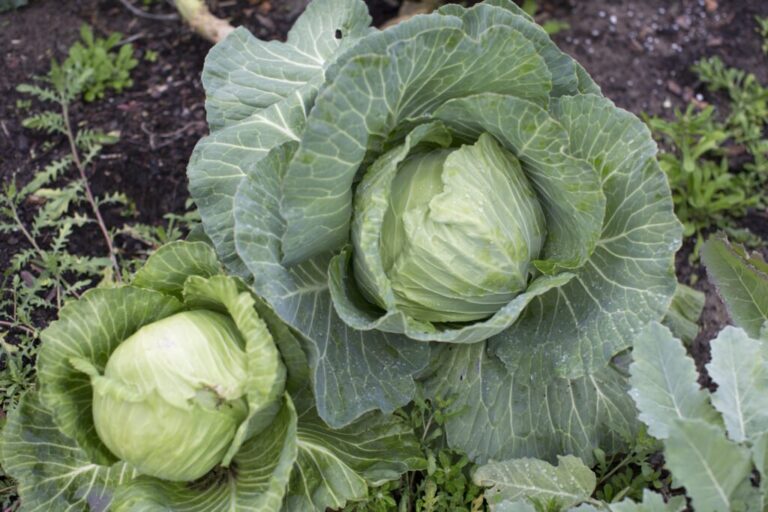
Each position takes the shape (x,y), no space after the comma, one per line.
(338,34)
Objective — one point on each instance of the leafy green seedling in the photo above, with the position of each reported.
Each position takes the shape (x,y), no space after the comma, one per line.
(748,114)
(107,64)
(704,190)
(551,27)
(762,29)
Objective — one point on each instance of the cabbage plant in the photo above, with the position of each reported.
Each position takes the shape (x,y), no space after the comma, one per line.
(447,208)
(182,391)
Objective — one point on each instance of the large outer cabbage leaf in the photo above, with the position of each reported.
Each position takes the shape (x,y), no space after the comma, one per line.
(277,192)
(51,471)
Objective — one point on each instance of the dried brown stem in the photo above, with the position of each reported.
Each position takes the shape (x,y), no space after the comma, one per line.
(88,193)
(21,327)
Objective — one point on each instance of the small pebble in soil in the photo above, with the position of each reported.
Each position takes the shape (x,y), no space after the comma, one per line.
(613,19)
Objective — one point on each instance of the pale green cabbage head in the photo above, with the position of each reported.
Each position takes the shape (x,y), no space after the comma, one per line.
(173,395)
(459,235)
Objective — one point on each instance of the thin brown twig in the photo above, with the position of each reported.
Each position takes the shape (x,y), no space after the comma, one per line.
(144,14)
(88,193)
(172,136)
(130,39)
(21,327)
(23,229)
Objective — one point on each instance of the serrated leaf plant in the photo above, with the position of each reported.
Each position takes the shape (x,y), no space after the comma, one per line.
(533,485)
(182,391)
(714,442)
(448,207)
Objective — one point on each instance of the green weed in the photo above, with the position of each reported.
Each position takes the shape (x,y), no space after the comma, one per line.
(748,107)
(106,63)
(705,192)
(626,476)
(551,27)
(762,29)
(445,485)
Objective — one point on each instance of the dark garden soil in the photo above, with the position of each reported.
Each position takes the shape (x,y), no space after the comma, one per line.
(639,51)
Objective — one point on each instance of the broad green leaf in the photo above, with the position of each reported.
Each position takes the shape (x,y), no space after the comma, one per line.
(586,84)
(652,502)
(742,281)
(710,466)
(497,414)
(336,466)
(485,15)
(741,373)
(352,371)
(759,450)
(91,328)
(243,75)
(664,383)
(266,372)
(166,270)
(568,483)
(629,278)
(220,162)
(439,62)
(510,6)
(513,506)
(257,481)
(51,472)
(684,312)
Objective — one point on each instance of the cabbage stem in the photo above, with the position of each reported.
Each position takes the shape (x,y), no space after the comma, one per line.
(202,21)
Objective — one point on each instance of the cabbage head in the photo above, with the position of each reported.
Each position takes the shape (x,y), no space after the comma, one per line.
(183,391)
(448,208)
(179,383)
(459,235)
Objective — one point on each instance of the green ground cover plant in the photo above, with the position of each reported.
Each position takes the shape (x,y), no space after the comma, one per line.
(106,63)
(762,29)
(717,162)
(706,191)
